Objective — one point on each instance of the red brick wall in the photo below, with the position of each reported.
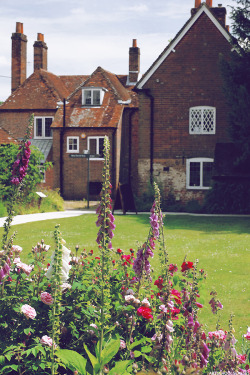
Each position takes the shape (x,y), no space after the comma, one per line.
(189,77)
(75,169)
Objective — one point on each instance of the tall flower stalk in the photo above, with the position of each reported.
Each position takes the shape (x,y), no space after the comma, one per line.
(56,282)
(106,225)
(141,264)
(19,171)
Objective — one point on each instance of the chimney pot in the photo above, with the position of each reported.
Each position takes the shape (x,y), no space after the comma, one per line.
(197,3)
(40,37)
(134,42)
(19,27)
(209,3)
(219,5)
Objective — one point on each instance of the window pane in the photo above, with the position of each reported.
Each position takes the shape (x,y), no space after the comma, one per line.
(39,127)
(92,146)
(48,130)
(87,97)
(73,144)
(207,173)
(96,97)
(101,147)
(196,121)
(194,174)
(208,120)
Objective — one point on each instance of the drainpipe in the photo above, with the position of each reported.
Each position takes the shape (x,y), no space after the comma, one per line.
(130,145)
(113,160)
(61,148)
(150,96)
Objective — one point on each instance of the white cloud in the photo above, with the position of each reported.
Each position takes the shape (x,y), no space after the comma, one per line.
(136,8)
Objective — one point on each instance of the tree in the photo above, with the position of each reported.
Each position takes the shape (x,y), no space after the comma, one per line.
(236,74)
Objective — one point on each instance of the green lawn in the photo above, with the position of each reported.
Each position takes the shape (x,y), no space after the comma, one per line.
(222,245)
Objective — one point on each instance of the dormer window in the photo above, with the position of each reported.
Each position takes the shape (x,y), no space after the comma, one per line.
(92,96)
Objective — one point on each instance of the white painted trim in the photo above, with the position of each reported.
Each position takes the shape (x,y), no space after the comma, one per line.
(201,161)
(178,39)
(97,145)
(72,151)
(43,127)
(202,109)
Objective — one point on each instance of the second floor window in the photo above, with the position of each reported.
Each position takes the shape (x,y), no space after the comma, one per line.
(92,97)
(202,120)
(42,127)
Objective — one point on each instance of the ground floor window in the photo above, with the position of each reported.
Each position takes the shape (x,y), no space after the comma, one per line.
(199,173)
(95,146)
(72,144)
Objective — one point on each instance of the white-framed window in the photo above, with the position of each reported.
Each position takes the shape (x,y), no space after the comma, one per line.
(199,173)
(95,147)
(202,120)
(42,127)
(73,144)
(92,96)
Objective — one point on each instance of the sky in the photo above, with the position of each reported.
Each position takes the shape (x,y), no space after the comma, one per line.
(82,35)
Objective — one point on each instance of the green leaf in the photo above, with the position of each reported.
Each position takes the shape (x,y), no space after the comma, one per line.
(73,360)
(2,359)
(146,349)
(26,331)
(136,343)
(93,359)
(110,349)
(120,367)
(149,359)
(137,353)
(175,279)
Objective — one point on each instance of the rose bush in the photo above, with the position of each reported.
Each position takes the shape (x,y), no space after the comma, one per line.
(96,312)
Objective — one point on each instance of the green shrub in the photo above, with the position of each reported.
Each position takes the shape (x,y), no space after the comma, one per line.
(52,202)
(3,211)
(228,198)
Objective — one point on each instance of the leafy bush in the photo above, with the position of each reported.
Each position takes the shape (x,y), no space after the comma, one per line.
(52,202)
(228,198)
(104,314)
(3,211)
(8,155)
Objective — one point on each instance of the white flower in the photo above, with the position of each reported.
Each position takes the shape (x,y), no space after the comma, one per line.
(129,298)
(65,264)
(145,302)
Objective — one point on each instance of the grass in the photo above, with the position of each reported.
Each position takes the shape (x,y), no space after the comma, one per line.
(222,245)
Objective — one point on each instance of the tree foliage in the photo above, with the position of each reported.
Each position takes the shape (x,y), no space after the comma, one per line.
(236,73)
(8,154)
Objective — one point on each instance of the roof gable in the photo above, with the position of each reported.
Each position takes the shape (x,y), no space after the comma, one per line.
(41,90)
(178,38)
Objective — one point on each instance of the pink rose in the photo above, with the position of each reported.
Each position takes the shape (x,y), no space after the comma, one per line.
(46,340)
(46,298)
(28,311)
(247,335)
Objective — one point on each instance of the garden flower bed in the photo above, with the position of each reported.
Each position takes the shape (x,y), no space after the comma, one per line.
(87,314)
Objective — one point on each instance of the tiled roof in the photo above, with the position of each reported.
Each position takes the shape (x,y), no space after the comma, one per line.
(109,114)
(72,82)
(6,138)
(42,90)
(44,146)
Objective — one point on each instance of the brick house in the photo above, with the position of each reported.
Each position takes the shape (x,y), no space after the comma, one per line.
(71,114)
(182,109)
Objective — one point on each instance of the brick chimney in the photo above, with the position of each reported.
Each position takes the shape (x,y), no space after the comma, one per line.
(19,57)
(40,53)
(219,12)
(134,63)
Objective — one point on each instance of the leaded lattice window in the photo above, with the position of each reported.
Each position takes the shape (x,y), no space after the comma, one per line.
(202,120)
